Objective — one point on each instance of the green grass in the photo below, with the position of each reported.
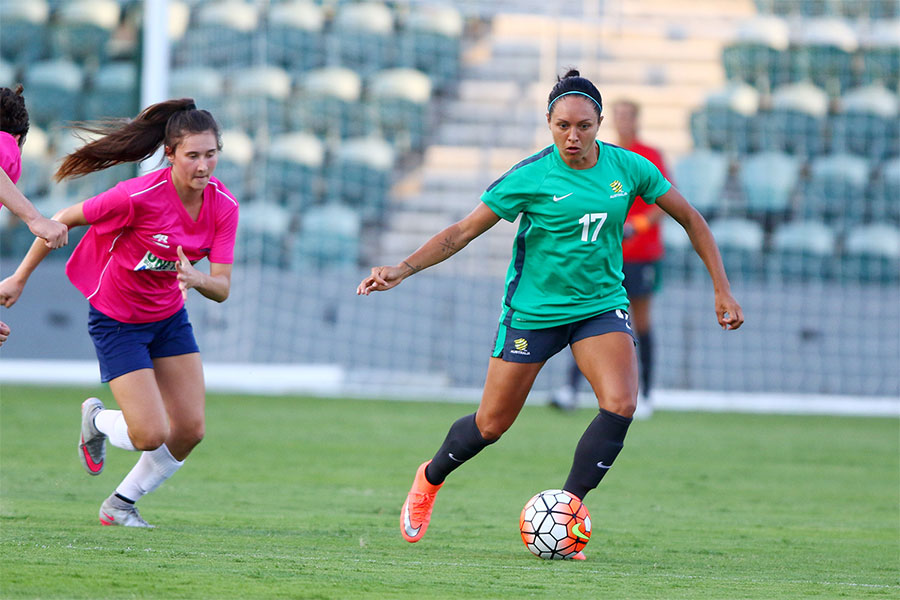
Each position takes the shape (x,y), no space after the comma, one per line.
(299,498)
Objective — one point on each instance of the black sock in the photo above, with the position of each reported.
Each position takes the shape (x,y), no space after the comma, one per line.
(596,451)
(124,499)
(645,350)
(463,441)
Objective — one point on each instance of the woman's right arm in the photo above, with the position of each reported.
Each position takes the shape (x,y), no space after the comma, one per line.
(440,247)
(11,287)
(55,234)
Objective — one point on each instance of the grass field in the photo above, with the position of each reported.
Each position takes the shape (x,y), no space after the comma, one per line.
(299,498)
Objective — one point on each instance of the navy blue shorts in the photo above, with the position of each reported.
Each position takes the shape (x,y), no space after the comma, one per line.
(642,278)
(126,347)
(538,345)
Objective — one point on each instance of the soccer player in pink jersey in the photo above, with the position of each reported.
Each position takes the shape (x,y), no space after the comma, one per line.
(135,266)
(14,125)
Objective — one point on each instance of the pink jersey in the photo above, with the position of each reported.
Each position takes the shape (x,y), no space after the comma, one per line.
(125,263)
(10,157)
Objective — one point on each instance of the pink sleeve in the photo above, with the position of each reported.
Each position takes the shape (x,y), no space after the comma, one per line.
(10,159)
(222,250)
(110,211)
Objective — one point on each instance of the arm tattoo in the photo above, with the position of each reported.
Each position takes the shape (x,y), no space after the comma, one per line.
(412,268)
(448,247)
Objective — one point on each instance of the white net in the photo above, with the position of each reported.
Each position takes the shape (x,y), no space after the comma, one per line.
(354,131)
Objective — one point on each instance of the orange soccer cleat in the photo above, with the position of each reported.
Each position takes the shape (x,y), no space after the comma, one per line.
(416,512)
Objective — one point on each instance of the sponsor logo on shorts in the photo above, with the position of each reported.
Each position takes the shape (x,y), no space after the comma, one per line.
(520,346)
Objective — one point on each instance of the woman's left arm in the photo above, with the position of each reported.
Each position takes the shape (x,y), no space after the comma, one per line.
(216,285)
(728,311)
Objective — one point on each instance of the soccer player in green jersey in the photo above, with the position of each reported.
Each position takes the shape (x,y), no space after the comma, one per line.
(563,287)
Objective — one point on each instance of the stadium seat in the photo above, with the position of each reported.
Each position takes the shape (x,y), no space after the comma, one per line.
(294,36)
(824,54)
(25,30)
(328,104)
(768,181)
(84,28)
(205,85)
(872,253)
(740,242)
(329,236)
(223,34)
(233,168)
(759,53)
(680,262)
(7,74)
(37,164)
(701,177)
(725,122)
(797,121)
(835,191)
(258,99)
(53,90)
(867,123)
(360,176)
(114,92)
(430,42)
(401,98)
(293,170)
(885,193)
(802,250)
(364,37)
(881,53)
(263,233)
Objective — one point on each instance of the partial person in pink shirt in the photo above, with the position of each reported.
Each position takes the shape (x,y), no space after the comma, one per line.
(135,265)
(14,125)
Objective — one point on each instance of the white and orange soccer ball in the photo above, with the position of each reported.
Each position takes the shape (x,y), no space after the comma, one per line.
(555,525)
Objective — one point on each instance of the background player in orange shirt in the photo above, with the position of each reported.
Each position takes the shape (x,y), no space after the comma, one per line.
(642,253)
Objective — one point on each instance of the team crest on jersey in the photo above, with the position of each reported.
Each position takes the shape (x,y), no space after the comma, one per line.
(161,239)
(617,189)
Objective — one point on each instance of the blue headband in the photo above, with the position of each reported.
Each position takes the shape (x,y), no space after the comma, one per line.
(600,108)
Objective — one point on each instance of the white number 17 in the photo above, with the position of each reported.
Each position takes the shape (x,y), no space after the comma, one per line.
(586,221)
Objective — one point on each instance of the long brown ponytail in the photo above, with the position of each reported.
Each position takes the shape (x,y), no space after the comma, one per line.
(134,140)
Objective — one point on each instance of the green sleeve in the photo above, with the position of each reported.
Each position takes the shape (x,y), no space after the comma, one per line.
(650,184)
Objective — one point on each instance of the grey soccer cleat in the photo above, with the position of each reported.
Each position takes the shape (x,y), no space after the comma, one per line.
(92,444)
(114,511)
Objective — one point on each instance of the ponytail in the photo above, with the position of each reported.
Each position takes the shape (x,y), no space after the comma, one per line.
(134,140)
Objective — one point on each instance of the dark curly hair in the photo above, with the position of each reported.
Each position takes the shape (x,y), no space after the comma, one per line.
(13,114)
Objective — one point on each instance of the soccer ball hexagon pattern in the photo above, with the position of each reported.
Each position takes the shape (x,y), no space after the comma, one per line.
(555,525)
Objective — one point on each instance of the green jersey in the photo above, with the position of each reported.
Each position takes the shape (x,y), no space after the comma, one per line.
(567,256)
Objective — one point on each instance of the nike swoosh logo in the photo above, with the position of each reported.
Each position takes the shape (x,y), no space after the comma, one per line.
(602,466)
(558,198)
(576,529)
(407,524)
(111,520)
(450,454)
(92,466)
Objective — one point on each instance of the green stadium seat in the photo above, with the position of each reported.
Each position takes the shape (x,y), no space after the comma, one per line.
(205,85)
(264,231)
(796,124)
(7,74)
(700,176)
(824,54)
(294,35)
(401,98)
(803,250)
(363,35)
(872,254)
(867,123)
(430,42)
(680,262)
(113,92)
(84,28)
(53,89)
(726,121)
(740,242)
(25,30)
(258,98)
(37,164)
(768,181)
(360,176)
(835,191)
(329,237)
(328,103)
(759,53)
(885,193)
(222,34)
(233,168)
(293,170)
(881,53)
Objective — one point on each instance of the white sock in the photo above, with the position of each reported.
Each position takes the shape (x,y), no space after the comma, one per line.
(154,467)
(112,423)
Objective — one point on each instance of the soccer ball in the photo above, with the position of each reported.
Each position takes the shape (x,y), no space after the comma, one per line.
(555,525)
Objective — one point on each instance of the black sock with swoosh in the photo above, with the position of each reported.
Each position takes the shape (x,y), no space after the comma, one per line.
(463,441)
(598,447)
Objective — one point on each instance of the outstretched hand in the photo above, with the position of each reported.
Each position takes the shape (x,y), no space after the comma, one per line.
(728,311)
(4,332)
(187,276)
(381,279)
(10,290)
(54,233)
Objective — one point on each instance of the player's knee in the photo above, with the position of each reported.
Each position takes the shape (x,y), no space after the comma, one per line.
(189,435)
(148,439)
(492,429)
(623,403)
